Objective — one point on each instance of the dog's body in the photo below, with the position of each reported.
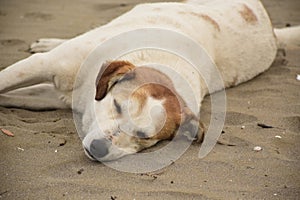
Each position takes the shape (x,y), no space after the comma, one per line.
(237,35)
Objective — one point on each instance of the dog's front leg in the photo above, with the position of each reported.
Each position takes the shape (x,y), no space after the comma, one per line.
(30,71)
(20,83)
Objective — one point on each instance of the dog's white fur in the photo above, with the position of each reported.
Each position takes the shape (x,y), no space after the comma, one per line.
(236,34)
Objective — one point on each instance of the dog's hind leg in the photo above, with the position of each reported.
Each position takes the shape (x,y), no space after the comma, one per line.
(288,37)
(45,45)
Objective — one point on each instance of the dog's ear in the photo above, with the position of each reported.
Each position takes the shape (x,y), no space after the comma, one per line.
(111,73)
(191,126)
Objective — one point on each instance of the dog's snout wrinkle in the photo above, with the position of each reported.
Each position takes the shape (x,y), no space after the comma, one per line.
(99,148)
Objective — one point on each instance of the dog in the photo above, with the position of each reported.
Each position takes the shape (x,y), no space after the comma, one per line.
(135,104)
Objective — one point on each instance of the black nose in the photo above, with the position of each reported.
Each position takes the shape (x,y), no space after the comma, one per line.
(99,148)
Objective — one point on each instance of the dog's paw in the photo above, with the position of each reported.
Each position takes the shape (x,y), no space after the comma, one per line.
(45,44)
(190,130)
(201,132)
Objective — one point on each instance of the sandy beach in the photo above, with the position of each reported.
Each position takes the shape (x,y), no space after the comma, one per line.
(45,159)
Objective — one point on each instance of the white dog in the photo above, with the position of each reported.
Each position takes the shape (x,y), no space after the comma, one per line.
(236,34)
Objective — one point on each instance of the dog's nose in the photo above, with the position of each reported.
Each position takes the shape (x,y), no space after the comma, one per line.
(99,148)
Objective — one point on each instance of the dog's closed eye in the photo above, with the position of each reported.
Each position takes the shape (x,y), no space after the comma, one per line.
(118,107)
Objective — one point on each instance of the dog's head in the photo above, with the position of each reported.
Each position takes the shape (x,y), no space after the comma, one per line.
(135,108)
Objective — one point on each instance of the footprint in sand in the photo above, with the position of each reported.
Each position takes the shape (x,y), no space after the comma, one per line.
(38,16)
(235,118)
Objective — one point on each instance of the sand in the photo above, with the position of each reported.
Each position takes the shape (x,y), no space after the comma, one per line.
(45,159)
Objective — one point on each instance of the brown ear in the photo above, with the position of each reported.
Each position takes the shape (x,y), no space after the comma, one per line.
(110,73)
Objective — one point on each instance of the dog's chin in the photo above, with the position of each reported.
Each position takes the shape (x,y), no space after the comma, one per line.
(105,159)
(87,153)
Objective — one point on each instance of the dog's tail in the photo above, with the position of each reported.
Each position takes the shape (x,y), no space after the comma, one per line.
(288,37)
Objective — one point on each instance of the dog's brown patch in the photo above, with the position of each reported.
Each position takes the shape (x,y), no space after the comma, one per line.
(168,20)
(160,87)
(154,84)
(248,15)
(156,9)
(141,97)
(172,106)
(20,74)
(204,17)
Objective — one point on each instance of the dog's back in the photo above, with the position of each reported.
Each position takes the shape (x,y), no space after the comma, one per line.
(234,33)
